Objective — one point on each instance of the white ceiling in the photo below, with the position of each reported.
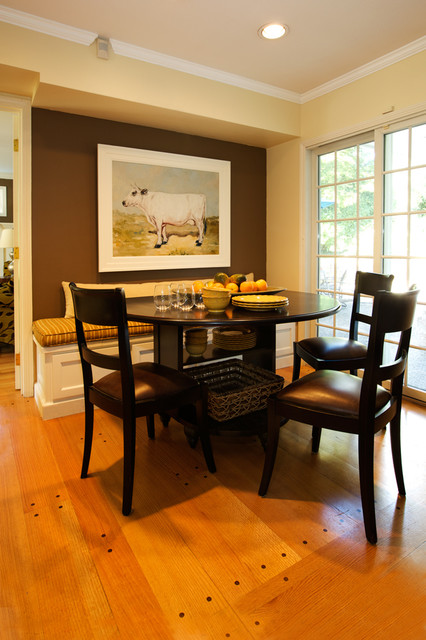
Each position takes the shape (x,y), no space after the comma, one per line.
(326,38)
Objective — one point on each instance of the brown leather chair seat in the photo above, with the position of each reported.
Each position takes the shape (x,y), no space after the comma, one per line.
(334,349)
(328,391)
(334,352)
(153,383)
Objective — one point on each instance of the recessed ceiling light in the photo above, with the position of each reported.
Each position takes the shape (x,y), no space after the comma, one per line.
(272,31)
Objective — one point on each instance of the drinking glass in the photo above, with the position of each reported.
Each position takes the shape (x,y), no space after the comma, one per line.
(186,297)
(162,298)
(176,289)
(198,300)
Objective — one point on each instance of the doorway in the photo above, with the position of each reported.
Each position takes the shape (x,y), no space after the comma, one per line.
(19,110)
(6,243)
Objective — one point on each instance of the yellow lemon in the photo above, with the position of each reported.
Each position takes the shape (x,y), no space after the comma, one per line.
(248,285)
(198,285)
(262,285)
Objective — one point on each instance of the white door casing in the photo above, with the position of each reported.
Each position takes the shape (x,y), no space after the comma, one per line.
(24,369)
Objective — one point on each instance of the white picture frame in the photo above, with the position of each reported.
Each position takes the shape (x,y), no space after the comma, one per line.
(162,210)
(3,201)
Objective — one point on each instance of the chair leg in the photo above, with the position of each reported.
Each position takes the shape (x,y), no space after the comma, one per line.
(165,419)
(395,435)
(201,413)
(366,478)
(150,425)
(296,366)
(129,444)
(271,448)
(88,437)
(316,437)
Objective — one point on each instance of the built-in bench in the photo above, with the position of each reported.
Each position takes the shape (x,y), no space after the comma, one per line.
(58,389)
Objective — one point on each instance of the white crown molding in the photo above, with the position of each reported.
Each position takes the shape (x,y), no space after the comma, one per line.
(417,46)
(48,27)
(179,64)
(81,36)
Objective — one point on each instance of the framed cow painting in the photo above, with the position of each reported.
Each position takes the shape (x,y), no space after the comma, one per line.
(162,210)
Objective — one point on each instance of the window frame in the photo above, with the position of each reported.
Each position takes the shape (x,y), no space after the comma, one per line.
(313,151)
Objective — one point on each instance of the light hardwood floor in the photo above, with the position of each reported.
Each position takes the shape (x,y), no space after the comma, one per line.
(203,556)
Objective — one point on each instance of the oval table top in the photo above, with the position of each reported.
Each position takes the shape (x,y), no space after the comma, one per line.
(302,306)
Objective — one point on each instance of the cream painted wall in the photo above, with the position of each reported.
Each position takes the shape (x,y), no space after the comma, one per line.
(67,65)
(348,109)
(283,206)
(400,86)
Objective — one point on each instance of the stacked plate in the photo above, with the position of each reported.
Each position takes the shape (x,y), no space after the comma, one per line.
(234,339)
(260,302)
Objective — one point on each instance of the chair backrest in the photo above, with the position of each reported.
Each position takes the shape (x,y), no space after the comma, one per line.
(103,307)
(368,284)
(393,313)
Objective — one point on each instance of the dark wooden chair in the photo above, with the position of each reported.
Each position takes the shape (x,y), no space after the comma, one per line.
(342,354)
(343,402)
(131,391)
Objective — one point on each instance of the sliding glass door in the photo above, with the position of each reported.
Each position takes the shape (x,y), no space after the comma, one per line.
(404,231)
(370,215)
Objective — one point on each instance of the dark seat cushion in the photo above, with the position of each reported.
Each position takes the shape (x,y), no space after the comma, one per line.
(152,382)
(333,348)
(329,391)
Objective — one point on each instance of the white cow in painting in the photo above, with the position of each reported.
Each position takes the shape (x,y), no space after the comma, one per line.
(170,208)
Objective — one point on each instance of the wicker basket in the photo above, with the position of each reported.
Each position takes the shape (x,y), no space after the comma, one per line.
(236,388)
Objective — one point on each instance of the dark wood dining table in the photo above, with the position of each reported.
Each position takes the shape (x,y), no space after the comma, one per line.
(169,326)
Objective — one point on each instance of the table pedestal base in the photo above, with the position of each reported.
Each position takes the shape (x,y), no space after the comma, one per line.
(251,424)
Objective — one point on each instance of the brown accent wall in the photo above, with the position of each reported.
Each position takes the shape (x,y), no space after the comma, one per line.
(64,201)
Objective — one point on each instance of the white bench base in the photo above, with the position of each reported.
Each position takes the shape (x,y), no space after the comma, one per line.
(286,335)
(59,388)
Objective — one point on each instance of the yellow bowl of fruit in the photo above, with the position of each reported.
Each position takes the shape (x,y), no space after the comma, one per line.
(215,298)
(216,292)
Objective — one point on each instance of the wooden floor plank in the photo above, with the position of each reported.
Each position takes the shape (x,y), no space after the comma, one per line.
(19,597)
(202,556)
(335,592)
(103,527)
(61,568)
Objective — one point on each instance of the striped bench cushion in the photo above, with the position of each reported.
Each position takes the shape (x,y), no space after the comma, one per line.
(54,331)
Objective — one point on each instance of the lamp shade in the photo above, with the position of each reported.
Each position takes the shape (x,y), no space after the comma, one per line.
(6,238)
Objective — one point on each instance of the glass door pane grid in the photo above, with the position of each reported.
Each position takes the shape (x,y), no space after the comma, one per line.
(345,226)
(403,253)
(404,207)
(404,234)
